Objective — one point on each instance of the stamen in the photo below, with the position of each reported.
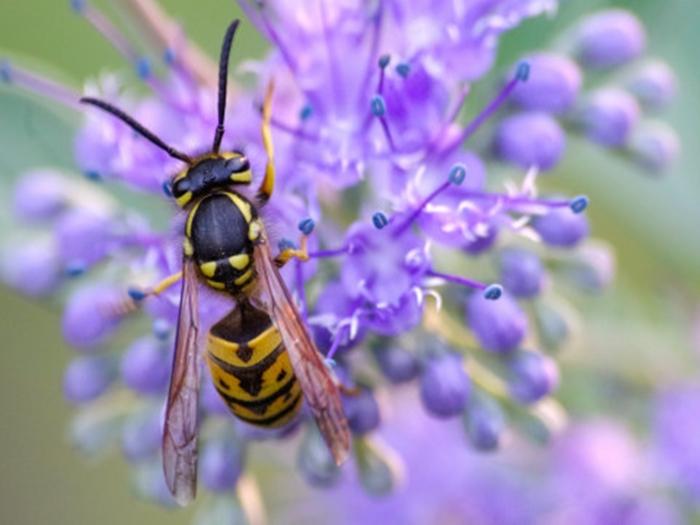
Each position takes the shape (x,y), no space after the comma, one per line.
(403,69)
(383,63)
(321,254)
(458,173)
(75,269)
(137,294)
(336,343)
(521,75)
(373,48)
(306,112)
(38,84)
(579,204)
(490,291)
(378,107)
(100,22)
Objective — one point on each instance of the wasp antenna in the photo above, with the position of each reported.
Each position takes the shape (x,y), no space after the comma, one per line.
(223,81)
(136,126)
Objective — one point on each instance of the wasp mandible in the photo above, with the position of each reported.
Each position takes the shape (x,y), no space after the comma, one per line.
(261,356)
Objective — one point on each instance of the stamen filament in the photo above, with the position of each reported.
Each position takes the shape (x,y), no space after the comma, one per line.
(293,130)
(401,228)
(321,254)
(40,85)
(457,279)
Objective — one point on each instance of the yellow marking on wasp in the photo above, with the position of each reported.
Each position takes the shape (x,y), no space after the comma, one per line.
(216,285)
(180,175)
(187,247)
(254,230)
(240,261)
(274,408)
(242,176)
(244,278)
(190,219)
(208,269)
(269,383)
(262,346)
(183,199)
(229,155)
(268,182)
(242,205)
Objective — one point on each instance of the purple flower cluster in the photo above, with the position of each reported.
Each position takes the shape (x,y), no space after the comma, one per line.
(370,145)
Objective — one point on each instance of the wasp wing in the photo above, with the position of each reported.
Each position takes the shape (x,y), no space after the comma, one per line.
(320,390)
(180,430)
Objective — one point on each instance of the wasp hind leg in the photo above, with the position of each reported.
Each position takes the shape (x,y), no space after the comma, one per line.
(292,252)
(268,183)
(138,295)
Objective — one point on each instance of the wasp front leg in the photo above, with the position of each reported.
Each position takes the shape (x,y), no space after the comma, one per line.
(268,183)
(288,253)
(138,295)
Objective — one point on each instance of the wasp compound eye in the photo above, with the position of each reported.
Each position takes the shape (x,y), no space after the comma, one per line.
(238,164)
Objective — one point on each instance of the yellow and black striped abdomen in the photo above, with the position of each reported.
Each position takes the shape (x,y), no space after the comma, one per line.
(251,369)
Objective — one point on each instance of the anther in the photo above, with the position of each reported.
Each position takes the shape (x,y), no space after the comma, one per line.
(306,226)
(493,292)
(92,175)
(384,61)
(306,112)
(457,174)
(403,69)
(75,269)
(136,294)
(522,72)
(579,203)
(143,68)
(378,106)
(379,220)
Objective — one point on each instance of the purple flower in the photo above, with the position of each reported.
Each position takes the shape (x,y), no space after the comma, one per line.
(362,411)
(654,146)
(397,364)
(87,378)
(444,385)
(653,83)
(530,139)
(521,272)
(562,227)
(532,376)
(92,315)
(609,116)
(222,464)
(553,85)
(608,39)
(484,423)
(144,366)
(499,326)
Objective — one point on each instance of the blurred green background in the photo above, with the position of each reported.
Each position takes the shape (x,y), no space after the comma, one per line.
(640,325)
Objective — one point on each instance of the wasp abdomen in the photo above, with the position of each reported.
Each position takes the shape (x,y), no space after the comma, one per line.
(251,369)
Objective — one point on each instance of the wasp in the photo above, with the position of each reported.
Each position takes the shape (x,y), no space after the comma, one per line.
(262,359)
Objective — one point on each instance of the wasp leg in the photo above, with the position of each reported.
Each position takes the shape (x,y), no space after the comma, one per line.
(268,183)
(301,253)
(140,295)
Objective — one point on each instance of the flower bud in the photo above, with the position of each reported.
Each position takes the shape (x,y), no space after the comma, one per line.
(553,84)
(89,318)
(33,268)
(315,461)
(83,237)
(40,195)
(145,366)
(609,38)
(653,83)
(87,378)
(445,386)
(552,326)
(499,326)
(593,267)
(484,423)
(482,243)
(562,227)
(362,411)
(531,376)
(379,467)
(142,435)
(397,365)
(521,272)
(530,139)
(222,464)
(609,116)
(654,146)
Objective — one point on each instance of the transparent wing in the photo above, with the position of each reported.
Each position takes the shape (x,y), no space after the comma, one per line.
(320,390)
(180,430)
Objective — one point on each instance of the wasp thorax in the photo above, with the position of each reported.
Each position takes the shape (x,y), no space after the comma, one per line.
(209,174)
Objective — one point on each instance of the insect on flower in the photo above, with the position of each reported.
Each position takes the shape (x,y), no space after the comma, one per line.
(261,355)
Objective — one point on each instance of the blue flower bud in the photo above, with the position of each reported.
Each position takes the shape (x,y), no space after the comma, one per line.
(87,378)
(397,365)
(306,226)
(531,376)
(378,467)
(379,220)
(89,318)
(150,483)
(530,139)
(499,326)
(553,86)
(362,411)
(484,423)
(521,272)
(654,146)
(609,38)
(315,461)
(144,366)
(33,268)
(142,435)
(561,227)
(378,106)
(653,83)
(609,116)
(552,326)
(444,385)
(593,267)
(221,464)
